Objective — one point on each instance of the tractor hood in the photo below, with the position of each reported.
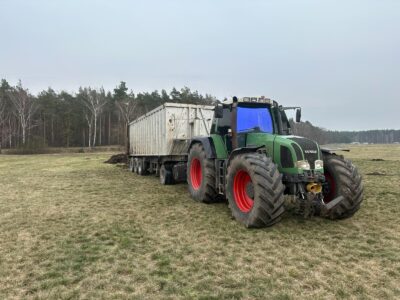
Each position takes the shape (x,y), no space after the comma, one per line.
(286,150)
(290,149)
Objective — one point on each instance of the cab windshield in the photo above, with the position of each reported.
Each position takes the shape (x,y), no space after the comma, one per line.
(254,119)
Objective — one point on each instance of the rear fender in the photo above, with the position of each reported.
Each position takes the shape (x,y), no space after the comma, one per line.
(333,151)
(248,149)
(326,151)
(207,144)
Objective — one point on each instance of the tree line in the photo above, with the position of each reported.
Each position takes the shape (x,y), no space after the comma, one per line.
(95,117)
(323,136)
(91,117)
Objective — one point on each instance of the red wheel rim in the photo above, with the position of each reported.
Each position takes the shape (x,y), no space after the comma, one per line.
(196,174)
(242,199)
(330,181)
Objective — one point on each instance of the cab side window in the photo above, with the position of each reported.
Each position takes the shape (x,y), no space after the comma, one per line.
(224,124)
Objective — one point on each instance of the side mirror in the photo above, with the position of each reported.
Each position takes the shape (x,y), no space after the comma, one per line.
(218,111)
(298,115)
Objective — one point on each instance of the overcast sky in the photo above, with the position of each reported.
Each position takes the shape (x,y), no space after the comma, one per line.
(339,60)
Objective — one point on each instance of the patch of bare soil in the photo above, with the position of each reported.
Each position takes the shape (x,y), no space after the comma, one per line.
(377,173)
(120,158)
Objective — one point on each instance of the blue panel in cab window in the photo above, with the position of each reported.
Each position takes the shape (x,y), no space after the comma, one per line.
(250,118)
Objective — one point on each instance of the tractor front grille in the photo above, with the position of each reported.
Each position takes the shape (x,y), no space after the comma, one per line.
(299,153)
(309,149)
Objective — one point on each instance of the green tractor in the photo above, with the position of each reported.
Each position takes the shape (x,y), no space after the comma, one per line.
(251,159)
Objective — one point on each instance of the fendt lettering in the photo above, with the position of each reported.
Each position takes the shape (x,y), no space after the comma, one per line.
(310,151)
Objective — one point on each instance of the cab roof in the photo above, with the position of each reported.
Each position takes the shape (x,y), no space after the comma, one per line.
(259,99)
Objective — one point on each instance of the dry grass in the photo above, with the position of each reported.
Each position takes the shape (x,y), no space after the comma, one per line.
(73,227)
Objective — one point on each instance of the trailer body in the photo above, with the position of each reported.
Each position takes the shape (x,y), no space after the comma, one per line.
(158,141)
(167,129)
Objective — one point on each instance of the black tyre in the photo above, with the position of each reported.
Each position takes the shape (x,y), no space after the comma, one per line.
(141,167)
(131,167)
(135,165)
(166,175)
(255,190)
(342,179)
(201,175)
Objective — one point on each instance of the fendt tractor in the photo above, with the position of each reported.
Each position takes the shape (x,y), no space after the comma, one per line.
(243,150)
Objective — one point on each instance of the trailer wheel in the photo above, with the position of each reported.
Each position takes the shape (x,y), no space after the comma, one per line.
(131,164)
(255,190)
(166,177)
(201,175)
(141,167)
(342,179)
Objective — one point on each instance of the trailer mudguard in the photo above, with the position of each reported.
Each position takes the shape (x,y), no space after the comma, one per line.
(207,144)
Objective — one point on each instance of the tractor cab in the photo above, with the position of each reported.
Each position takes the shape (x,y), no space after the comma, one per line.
(261,122)
(235,120)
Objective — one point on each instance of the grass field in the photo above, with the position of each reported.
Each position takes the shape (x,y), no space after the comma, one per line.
(74,227)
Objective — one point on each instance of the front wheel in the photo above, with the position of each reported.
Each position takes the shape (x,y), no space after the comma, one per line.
(201,175)
(342,179)
(255,190)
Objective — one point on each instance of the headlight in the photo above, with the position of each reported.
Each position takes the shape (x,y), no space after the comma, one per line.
(303,164)
(319,164)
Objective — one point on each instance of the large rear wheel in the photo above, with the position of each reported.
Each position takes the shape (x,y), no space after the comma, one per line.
(342,179)
(201,175)
(255,190)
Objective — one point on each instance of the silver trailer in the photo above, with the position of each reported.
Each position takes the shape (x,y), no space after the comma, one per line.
(159,140)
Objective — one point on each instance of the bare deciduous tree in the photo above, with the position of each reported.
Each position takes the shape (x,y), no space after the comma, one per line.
(127,107)
(94,102)
(24,108)
(2,119)
(2,110)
